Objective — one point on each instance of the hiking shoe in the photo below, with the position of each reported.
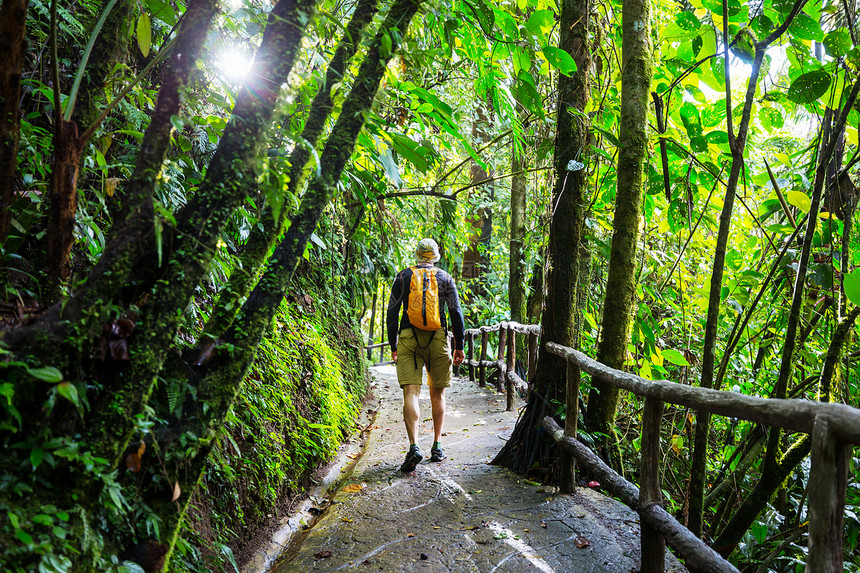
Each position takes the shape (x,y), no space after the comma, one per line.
(437,454)
(413,456)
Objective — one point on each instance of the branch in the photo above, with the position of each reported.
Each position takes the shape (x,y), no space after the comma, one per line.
(459,165)
(798,6)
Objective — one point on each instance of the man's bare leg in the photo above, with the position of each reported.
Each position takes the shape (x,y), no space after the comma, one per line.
(437,402)
(411,410)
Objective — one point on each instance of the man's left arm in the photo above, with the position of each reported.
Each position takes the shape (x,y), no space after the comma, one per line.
(458,328)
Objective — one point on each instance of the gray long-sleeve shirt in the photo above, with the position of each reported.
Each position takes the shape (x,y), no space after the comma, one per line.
(397,320)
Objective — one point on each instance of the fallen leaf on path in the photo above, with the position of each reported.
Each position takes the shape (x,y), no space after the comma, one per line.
(543,524)
(346,520)
(322,554)
(354,487)
(410,535)
(581,542)
(353,456)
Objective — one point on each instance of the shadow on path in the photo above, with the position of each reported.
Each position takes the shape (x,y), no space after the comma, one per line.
(461,514)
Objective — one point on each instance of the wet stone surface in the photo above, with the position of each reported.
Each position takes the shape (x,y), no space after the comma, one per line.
(461,514)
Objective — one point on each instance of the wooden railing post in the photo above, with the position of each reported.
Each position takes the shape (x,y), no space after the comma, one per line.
(470,355)
(510,366)
(482,369)
(451,343)
(827,483)
(571,419)
(382,338)
(500,353)
(533,348)
(653,544)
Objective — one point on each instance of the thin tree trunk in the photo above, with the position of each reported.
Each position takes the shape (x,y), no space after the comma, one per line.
(260,240)
(13,47)
(222,378)
(528,445)
(737,143)
(517,273)
(64,205)
(776,467)
(621,281)
(201,222)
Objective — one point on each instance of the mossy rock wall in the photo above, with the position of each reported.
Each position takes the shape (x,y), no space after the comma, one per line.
(296,406)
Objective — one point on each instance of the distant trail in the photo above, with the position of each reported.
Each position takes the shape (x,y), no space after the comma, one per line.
(461,514)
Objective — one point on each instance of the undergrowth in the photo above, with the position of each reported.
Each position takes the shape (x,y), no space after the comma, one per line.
(296,405)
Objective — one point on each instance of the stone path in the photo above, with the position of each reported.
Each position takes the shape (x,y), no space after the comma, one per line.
(461,514)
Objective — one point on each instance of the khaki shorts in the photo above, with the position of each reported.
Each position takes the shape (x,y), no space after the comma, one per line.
(411,359)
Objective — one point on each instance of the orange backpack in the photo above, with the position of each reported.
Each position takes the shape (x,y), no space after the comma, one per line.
(423,304)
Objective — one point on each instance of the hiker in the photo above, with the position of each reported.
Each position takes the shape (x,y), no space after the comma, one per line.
(419,339)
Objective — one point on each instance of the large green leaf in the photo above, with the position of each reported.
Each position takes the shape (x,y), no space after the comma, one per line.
(805,28)
(838,42)
(800,200)
(675,357)
(527,95)
(540,22)
(144,33)
(809,87)
(46,374)
(560,60)
(852,286)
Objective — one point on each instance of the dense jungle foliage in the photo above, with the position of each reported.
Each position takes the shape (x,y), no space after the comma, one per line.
(665,184)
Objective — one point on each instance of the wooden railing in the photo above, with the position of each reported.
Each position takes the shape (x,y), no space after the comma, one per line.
(506,356)
(834,428)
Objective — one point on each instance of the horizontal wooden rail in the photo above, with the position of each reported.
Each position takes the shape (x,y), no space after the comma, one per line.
(796,415)
(833,427)
(506,359)
(696,553)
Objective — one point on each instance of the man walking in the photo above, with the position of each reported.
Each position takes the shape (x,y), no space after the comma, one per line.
(419,340)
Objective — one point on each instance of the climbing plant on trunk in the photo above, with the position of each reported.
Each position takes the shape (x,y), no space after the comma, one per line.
(528,445)
(636,75)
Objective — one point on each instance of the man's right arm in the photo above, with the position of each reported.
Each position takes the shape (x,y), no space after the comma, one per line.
(392,315)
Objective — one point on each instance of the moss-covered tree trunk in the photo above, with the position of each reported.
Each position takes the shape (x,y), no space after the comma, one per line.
(201,222)
(221,379)
(13,47)
(517,264)
(262,238)
(636,72)
(528,445)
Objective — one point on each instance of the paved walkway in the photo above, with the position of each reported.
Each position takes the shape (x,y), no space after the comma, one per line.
(461,514)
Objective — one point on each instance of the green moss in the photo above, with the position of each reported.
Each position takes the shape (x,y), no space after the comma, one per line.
(296,405)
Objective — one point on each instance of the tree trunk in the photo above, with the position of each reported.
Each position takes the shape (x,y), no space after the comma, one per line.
(222,378)
(621,286)
(517,273)
(13,47)
(260,240)
(64,205)
(200,223)
(528,444)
